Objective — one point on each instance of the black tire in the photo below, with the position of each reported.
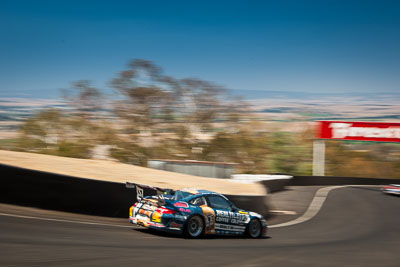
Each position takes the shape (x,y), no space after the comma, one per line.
(254,229)
(194,227)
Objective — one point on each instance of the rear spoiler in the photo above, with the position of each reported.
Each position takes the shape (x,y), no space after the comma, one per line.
(160,191)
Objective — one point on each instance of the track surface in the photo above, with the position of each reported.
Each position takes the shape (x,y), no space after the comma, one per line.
(356,227)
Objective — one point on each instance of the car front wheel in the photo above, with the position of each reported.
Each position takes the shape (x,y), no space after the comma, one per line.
(254,228)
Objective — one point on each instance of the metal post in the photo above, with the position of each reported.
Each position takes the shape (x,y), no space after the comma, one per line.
(319,158)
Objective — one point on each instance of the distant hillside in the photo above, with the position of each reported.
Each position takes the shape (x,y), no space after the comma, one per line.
(261,94)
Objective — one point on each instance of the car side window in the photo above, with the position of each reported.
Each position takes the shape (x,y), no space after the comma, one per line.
(218,202)
(198,201)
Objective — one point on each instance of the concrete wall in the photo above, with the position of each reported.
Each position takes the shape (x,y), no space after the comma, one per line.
(60,192)
(74,194)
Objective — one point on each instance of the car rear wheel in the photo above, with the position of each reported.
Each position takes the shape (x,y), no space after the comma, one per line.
(194,227)
(254,228)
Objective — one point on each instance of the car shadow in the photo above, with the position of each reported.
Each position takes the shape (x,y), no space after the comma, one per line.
(157,233)
(171,235)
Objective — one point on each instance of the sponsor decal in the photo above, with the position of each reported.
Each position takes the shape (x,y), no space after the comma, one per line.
(227,227)
(181,204)
(343,130)
(156,217)
(185,210)
(222,219)
(243,212)
(363,131)
(231,217)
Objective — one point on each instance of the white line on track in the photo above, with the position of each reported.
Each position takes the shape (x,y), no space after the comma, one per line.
(315,205)
(67,221)
(313,209)
(285,212)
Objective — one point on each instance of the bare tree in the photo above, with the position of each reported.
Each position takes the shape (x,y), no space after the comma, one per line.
(148,95)
(85,99)
(201,99)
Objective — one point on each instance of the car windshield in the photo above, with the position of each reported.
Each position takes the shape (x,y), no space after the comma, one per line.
(180,195)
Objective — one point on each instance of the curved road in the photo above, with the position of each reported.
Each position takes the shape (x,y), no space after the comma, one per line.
(356,226)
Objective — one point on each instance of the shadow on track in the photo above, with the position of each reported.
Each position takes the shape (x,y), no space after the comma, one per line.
(177,236)
(366,188)
(374,189)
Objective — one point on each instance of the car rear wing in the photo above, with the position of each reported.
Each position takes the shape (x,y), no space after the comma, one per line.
(161,192)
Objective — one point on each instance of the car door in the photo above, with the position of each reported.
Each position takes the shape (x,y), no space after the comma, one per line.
(228,219)
(208,212)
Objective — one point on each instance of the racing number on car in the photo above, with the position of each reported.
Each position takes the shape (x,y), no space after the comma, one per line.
(209,220)
(209,217)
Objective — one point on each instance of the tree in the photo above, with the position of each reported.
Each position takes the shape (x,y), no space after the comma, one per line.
(201,100)
(85,99)
(150,97)
(147,94)
(50,132)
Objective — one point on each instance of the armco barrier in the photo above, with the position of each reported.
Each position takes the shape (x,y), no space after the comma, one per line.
(329,180)
(257,204)
(272,183)
(73,194)
(275,185)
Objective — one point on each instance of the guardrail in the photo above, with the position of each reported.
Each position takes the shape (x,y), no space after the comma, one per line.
(272,183)
(330,180)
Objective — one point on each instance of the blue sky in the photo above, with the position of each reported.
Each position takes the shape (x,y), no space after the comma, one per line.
(310,46)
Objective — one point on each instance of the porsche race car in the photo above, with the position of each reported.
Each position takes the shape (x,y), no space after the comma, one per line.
(393,189)
(193,213)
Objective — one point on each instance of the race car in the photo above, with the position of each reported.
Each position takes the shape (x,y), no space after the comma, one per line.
(393,189)
(193,213)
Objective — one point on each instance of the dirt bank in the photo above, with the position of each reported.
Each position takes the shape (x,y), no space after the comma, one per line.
(119,172)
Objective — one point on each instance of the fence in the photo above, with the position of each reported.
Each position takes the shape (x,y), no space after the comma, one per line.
(197,168)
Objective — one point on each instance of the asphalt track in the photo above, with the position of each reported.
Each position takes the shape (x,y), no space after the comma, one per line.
(356,226)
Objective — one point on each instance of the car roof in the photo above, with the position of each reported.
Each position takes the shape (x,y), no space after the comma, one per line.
(198,191)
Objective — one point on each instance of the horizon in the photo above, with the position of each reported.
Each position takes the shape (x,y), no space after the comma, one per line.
(248,95)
